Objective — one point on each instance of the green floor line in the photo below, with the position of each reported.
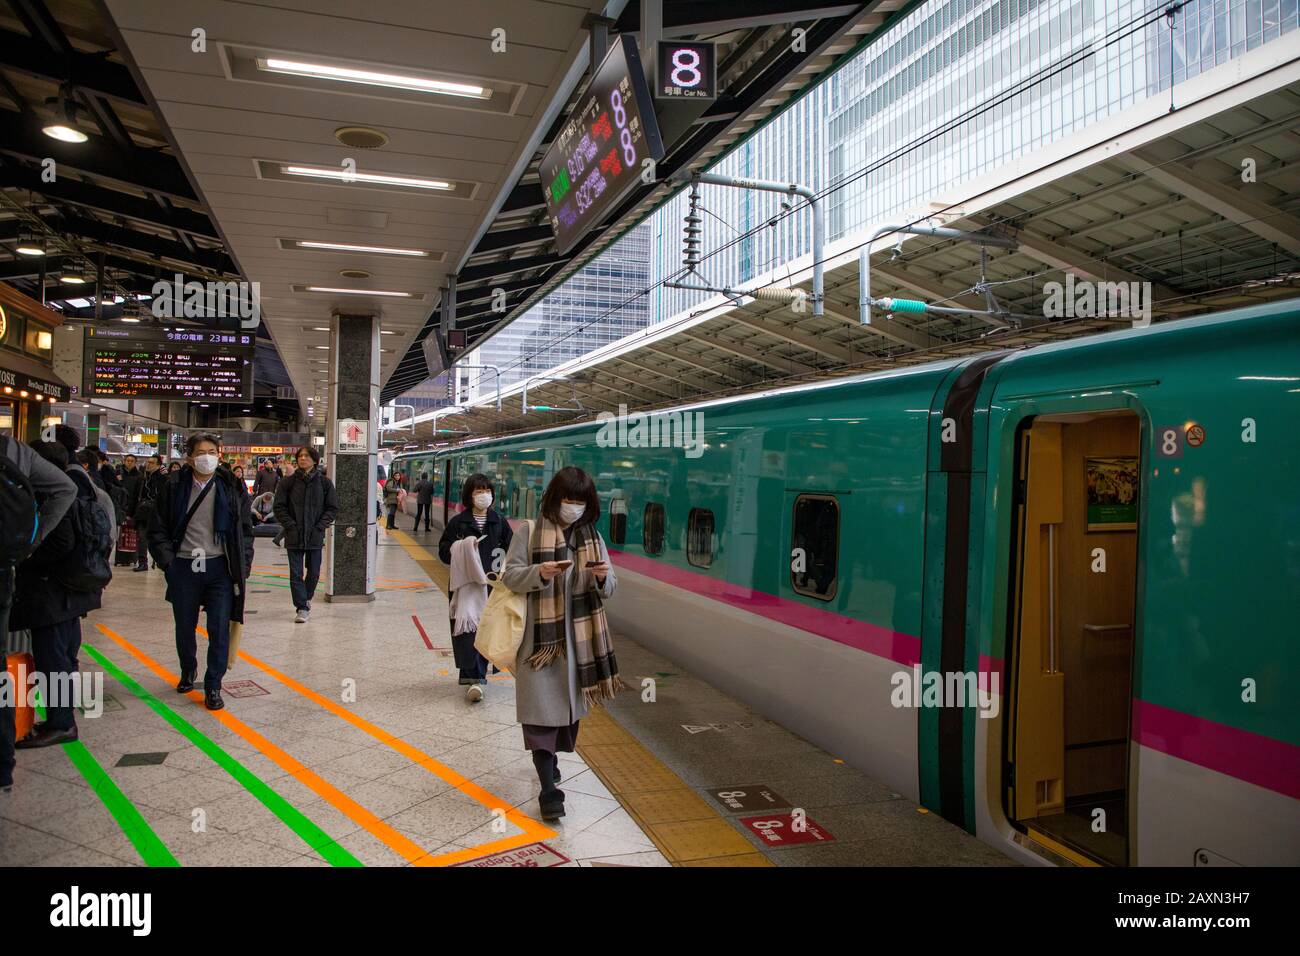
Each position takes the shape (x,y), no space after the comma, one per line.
(134,826)
(311,834)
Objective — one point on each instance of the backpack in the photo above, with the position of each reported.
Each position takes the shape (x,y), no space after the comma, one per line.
(19,513)
(87,566)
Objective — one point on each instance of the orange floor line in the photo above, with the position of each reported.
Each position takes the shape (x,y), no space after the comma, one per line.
(376,827)
(531,828)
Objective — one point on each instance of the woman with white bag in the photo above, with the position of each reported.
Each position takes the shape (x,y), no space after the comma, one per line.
(566,658)
(474,545)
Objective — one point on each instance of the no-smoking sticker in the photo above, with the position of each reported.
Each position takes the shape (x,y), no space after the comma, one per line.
(1172,439)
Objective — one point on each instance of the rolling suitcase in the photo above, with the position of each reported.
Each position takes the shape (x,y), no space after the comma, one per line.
(21,666)
(127,539)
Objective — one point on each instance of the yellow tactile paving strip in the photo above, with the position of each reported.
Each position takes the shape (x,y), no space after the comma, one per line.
(686,829)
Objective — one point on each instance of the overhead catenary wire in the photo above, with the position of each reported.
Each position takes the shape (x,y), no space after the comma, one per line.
(1091,48)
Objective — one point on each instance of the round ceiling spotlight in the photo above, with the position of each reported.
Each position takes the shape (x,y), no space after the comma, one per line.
(361,137)
(63,126)
(354,273)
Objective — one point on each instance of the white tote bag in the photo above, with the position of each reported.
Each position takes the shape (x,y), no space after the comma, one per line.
(501,625)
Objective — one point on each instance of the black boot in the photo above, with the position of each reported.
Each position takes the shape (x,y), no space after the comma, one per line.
(551,799)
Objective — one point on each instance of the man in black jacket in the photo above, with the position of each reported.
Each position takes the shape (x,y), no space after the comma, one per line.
(147,491)
(201,535)
(266,480)
(53,613)
(305,505)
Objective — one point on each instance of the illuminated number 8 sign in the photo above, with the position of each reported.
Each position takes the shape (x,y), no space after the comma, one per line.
(686,73)
(624,134)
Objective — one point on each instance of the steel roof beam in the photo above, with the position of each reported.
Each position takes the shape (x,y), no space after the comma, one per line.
(144,169)
(1252,214)
(85,71)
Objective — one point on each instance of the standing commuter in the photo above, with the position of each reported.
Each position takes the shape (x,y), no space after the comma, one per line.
(173,467)
(266,480)
(85,460)
(52,596)
(391,489)
(305,505)
(566,659)
(424,501)
(201,535)
(106,473)
(130,479)
(23,473)
(149,488)
(489,527)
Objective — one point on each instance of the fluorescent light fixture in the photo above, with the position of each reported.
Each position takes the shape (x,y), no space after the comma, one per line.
(320,328)
(382,179)
(325,347)
(127,318)
(79,303)
(352,247)
(393,295)
(395,81)
(44,340)
(72,280)
(386,332)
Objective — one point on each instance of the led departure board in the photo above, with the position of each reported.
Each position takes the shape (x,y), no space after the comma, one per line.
(179,363)
(597,157)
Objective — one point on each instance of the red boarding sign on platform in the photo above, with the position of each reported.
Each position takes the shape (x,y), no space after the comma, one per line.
(782,829)
(535,854)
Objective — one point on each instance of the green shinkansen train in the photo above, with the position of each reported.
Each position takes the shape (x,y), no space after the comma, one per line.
(1052,594)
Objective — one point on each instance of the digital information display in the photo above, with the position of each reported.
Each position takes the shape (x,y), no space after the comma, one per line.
(686,71)
(198,364)
(597,156)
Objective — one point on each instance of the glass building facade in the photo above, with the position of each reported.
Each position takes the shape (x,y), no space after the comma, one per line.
(955,90)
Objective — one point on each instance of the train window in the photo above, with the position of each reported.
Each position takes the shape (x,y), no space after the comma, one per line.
(617,521)
(652,529)
(814,564)
(699,537)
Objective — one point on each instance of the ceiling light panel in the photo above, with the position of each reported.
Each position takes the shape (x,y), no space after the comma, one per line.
(320,245)
(308,71)
(377,293)
(365,179)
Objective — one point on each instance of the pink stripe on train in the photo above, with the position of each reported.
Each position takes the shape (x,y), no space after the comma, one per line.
(881,641)
(1263,761)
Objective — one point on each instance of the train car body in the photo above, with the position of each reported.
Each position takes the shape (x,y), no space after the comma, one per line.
(1051,594)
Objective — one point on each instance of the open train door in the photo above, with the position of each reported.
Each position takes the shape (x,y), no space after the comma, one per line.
(1071,633)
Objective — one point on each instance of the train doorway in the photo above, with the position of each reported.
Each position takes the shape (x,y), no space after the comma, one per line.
(1071,633)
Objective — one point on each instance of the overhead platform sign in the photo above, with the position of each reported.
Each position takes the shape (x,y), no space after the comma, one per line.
(599,154)
(182,363)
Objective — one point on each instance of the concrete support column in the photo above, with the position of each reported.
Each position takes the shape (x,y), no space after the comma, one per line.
(350,547)
(96,428)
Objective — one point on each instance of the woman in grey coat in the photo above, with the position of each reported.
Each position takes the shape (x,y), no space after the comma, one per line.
(566,659)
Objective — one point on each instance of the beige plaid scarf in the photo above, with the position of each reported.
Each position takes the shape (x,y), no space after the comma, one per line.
(597,669)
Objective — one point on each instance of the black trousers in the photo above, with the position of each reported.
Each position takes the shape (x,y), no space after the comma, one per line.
(55,648)
(425,511)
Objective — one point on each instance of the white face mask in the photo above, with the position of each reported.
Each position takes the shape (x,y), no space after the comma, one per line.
(482,500)
(571,513)
(205,464)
